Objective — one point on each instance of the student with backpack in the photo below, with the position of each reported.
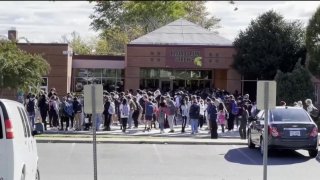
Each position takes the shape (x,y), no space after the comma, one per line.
(77,109)
(149,113)
(212,114)
(31,109)
(194,113)
(124,113)
(136,113)
(44,108)
(222,116)
(161,116)
(184,113)
(107,116)
(63,114)
(233,113)
(53,112)
(133,107)
(171,112)
(243,122)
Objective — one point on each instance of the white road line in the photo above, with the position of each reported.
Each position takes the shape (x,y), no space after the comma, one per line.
(249,158)
(71,151)
(157,153)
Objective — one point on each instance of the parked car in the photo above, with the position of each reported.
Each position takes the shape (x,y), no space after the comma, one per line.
(18,149)
(288,128)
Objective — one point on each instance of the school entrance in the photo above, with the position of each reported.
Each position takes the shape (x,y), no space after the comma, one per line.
(168,79)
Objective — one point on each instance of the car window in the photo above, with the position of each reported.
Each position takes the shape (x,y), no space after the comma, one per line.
(27,123)
(289,115)
(23,122)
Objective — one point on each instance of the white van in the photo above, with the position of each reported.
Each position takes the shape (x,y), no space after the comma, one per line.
(18,149)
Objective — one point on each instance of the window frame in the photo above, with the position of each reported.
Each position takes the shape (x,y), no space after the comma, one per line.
(23,122)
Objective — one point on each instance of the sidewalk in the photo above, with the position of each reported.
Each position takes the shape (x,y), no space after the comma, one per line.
(137,136)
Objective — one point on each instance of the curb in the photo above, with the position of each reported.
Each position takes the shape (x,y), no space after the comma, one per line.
(140,142)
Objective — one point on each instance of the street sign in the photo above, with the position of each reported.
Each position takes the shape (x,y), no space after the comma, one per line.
(93,103)
(261,95)
(88,98)
(266,98)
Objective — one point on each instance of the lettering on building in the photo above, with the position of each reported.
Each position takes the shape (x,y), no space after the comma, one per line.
(183,56)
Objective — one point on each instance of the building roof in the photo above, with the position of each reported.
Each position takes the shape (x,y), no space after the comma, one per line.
(182,32)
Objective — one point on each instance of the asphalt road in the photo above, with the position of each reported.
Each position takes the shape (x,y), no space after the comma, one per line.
(171,162)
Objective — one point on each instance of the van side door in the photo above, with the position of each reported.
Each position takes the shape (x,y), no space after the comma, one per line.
(33,156)
(3,158)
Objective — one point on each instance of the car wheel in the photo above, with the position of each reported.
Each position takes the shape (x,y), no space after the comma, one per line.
(250,144)
(37,174)
(313,153)
(262,147)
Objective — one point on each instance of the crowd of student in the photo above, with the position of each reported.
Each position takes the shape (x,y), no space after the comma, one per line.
(149,109)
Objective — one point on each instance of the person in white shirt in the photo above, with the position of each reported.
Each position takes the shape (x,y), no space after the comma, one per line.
(124,113)
(312,110)
(184,113)
(202,109)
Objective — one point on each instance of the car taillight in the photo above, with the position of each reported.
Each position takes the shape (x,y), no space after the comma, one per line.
(314,132)
(273,131)
(9,129)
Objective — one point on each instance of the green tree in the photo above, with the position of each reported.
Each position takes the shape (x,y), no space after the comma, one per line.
(78,45)
(149,14)
(93,46)
(122,21)
(267,45)
(313,43)
(19,69)
(198,14)
(294,86)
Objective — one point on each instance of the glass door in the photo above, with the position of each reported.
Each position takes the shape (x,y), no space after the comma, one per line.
(166,85)
(178,84)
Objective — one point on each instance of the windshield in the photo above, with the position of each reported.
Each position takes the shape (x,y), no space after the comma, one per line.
(289,115)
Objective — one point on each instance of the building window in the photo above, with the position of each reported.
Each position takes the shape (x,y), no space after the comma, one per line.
(111,79)
(190,79)
(44,84)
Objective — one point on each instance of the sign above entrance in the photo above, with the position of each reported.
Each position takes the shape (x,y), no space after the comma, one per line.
(182,57)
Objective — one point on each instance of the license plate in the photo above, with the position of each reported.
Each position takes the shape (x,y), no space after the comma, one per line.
(295,133)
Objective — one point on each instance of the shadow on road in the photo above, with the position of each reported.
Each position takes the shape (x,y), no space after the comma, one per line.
(253,157)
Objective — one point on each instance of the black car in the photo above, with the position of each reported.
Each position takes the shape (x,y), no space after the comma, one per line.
(289,128)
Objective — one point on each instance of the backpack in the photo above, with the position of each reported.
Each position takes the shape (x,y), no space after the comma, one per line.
(30,106)
(67,109)
(234,109)
(149,109)
(111,109)
(172,108)
(139,108)
(193,110)
(125,110)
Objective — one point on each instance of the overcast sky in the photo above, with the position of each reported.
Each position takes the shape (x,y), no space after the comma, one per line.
(40,21)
